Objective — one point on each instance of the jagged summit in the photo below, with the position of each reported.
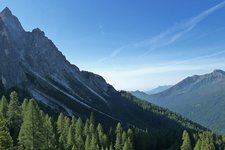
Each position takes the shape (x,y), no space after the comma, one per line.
(11,25)
(6,12)
(219,72)
(38,32)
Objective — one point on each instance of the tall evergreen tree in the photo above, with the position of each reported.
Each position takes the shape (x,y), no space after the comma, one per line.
(186,145)
(130,134)
(6,141)
(24,106)
(14,117)
(31,135)
(119,144)
(94,144)
(92,118)
(63,137)
(86,128)
(3,107)
(87,142)
(49,133)
(71,134)
(79,135)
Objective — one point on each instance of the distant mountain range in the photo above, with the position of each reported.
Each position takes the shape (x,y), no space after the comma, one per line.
(201,98)
(32,65)
(158,89)
(145,95)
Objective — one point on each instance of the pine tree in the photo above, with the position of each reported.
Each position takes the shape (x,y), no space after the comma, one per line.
(205,142)
(94,145)
(3,107)
(92,118)
(79,143)
(6,141)
(87,143)
(198,145)
(79,135)
(49,134)
(130,134)
(100,134)
(118,144)
(14,117)
(24,106)
(186,145)
(63,136)
(124,137)
(86,128)
(92,129)
(129,143)
(71,134)
(31,134)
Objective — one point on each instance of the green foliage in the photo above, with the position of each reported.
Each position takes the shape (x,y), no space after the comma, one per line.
(186,141)
(6,141)
(14,117)
(40,131)
(206,142)
(49,133)
(3,107)
(32,133)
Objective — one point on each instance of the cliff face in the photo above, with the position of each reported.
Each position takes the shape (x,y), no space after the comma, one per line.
(31,61)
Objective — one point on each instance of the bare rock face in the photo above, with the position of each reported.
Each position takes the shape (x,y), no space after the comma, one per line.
(31,61)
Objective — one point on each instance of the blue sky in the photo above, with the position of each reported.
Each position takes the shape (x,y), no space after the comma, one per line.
(132,44)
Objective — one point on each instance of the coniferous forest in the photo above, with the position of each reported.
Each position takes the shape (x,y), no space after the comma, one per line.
(23,125)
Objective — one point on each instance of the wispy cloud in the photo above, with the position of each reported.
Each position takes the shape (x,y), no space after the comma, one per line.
(167,37)
(197,63)
(177,31)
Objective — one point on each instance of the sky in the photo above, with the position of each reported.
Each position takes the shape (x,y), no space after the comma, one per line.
(134,45)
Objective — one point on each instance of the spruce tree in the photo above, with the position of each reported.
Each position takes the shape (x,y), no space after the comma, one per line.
(63,137)
(49,134)
(94,145)
(87,142)
(6,141)
(71,134)
(79,143)
(92,118)
(124,137)
(79,135)
(130,134)
(31,135)
(118,144)
(14,117)
(24,106)
(186,145)
(86,128)
(3,107)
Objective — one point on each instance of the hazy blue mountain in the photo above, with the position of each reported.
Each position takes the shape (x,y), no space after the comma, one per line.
(32,65)
(158,89)
(140,94)
(201,98)
(145,95)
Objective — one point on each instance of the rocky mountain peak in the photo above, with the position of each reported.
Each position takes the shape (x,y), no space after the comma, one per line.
(38,32)
(218,72)
(11,24)
(6,12)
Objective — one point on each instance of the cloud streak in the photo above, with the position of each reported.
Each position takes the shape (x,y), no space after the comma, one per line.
(186,65)
(175,33)
(167,37)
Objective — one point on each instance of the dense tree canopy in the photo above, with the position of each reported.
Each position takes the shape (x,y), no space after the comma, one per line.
(26,126)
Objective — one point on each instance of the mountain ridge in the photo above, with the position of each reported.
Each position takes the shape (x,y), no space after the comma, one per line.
(199,97)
